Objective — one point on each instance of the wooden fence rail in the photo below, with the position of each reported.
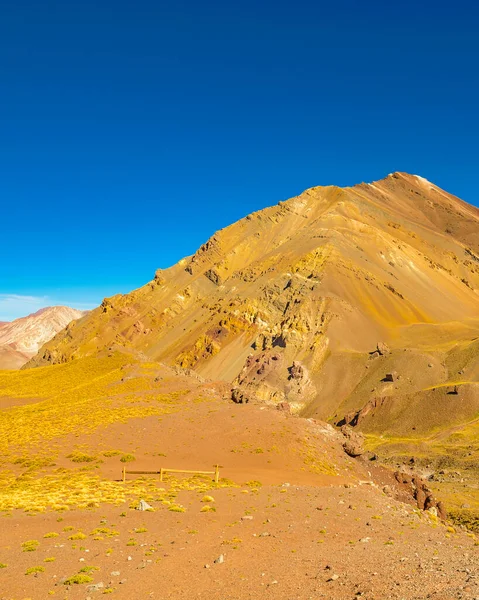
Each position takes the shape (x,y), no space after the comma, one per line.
(162,471)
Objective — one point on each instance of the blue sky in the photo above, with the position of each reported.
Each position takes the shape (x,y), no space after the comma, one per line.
(131,131)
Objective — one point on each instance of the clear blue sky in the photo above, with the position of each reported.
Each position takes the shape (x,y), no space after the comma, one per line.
(131,131)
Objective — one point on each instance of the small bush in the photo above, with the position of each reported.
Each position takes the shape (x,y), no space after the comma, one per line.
(77,536)
(78,579)
(30,545)
(126,458)
(34,570)
(51,534)
(87,569)
(81,457)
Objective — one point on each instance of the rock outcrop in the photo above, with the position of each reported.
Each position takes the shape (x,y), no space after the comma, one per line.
(421,492)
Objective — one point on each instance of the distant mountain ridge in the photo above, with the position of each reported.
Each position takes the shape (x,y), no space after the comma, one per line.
(21,339)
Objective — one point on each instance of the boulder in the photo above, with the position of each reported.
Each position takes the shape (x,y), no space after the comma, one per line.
(391,376)
(354,442)
(441,511)
(383,348)
(239,397)
(142,505)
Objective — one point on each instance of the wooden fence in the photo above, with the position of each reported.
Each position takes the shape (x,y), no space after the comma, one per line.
(162,471)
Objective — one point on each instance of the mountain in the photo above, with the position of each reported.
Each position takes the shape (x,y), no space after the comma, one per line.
(333,301)
(356,306)
(22,338)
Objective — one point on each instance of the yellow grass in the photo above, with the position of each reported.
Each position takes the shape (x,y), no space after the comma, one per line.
(76,398)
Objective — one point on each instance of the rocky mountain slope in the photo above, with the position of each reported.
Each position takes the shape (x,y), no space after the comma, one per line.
(22,338)
(355,305)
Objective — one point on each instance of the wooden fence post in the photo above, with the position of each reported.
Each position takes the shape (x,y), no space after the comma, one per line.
(124,473)
(161,474)
(217,473)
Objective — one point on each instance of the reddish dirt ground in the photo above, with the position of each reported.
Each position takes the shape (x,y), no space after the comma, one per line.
(307,535)
(296,543)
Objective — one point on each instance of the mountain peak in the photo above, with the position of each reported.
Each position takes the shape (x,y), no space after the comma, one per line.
(21,339)
(332,268)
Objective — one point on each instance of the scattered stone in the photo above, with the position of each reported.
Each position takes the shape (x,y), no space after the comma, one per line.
(122,581)
(220,559)
(95,587)
(264,534)
(207,566)
(247,518)
(115,573)
(333,577)
(144,506)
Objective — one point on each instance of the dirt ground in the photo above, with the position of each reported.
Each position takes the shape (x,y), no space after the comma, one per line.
(293,518)
(282,541)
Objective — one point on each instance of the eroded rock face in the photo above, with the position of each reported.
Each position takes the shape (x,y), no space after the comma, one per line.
(421,492)
(258,366)
(354,419)
(266,377)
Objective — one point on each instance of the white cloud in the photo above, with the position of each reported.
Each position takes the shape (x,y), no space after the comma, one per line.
(13,306)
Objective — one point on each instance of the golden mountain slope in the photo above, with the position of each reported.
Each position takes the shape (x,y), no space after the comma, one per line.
(316,281)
